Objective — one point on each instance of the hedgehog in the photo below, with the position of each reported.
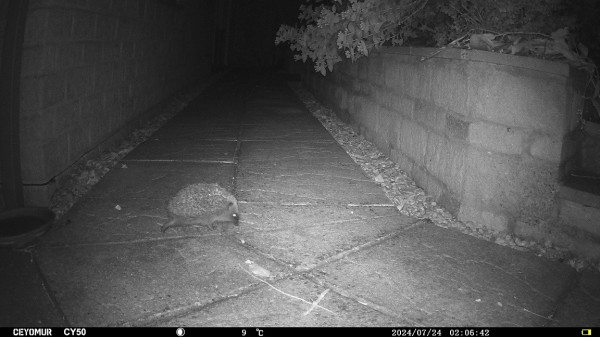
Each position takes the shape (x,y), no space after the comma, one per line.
(202,204)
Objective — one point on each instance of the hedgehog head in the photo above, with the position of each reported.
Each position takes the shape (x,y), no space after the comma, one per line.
(233,212)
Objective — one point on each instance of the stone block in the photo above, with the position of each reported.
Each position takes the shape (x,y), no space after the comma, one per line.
(368,115)
(433,186)
(412,139)
(450,201)
(429,115)
(518,98)
(416,80)
(547,148)
(420,175)
(495,221)
(449,85)
(385,128)
(376,70)
(580,216)
(489,180)
(456,126)
(496,138)
(404,105)
(404,162)
(446,160)
(391,72)
(513,185)
(355,107)
(362,68)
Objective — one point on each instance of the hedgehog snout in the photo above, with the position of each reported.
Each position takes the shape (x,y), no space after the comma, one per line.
(236,219)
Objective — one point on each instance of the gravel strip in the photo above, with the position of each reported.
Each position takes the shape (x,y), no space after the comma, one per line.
(412,200)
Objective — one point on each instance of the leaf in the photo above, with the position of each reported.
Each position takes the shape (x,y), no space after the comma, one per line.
(352,27)
(517,48)
(596,105)
(582,49)
(560,34)
(257,269)
(562,47)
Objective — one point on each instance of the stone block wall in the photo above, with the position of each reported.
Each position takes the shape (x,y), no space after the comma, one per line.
(486,134)
(589,157)
(92,68)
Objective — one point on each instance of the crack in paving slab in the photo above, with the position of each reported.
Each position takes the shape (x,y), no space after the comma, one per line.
(267,175)
(323,224)
(281,193)
(197,161)
(285,303)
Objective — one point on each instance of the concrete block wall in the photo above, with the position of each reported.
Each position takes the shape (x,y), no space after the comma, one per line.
(486,134)
(94,67)
(3,9)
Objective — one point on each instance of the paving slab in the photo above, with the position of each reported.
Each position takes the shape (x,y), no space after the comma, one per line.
(282,122)
(25,301)
(287,303)
(176,149)
(220,117)
(281,108)
(581,305)
(215,110)
(345,169)
(262,182)
(440,277)
(115,284)
(278,150)
(270,93)
(263,217)
(303,248)
(213,131)
(283,131)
